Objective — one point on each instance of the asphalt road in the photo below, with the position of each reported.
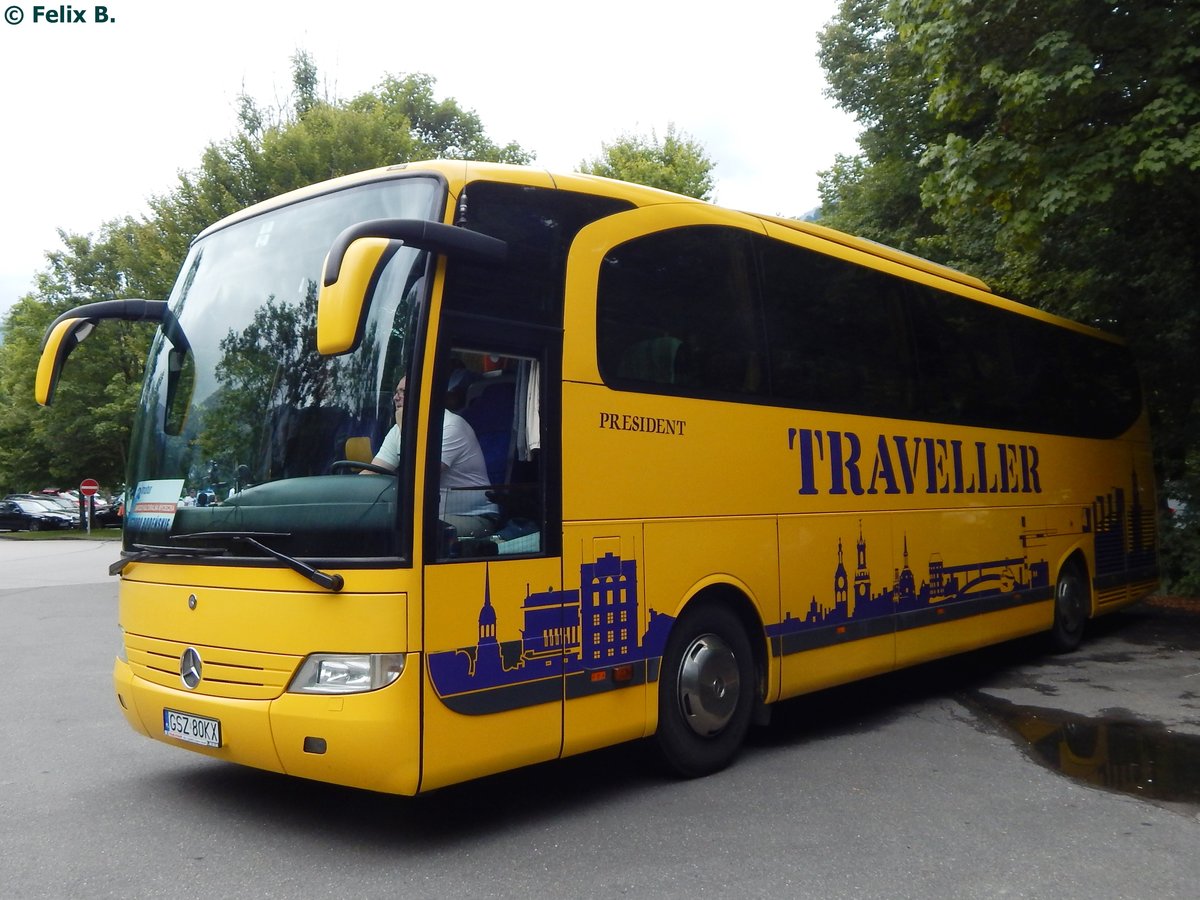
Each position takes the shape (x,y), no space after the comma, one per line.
(944,781)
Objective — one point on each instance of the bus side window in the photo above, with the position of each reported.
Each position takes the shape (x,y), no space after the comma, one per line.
(489,407)
(651,359)
(498,398)
(836,334)
(678,309)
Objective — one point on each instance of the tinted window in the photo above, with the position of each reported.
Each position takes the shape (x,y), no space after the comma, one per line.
(837,335)
(538,224)
(678,311)
(967,371)
(683,312)
(1073,383)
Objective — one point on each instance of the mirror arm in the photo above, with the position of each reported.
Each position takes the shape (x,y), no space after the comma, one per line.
(79,323)
(419,233)
(135,310)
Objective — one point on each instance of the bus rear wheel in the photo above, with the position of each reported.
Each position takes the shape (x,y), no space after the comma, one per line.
(705,692)
(1072,605)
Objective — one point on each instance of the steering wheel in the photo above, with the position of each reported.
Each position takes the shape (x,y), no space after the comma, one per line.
(355,464)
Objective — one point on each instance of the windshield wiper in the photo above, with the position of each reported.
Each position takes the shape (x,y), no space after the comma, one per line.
(331,582)
(148,551)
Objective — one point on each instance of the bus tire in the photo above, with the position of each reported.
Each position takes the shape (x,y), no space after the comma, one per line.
(1072,605)
(705,692)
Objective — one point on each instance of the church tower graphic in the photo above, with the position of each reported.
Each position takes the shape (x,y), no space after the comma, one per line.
(841,590)
(862,576)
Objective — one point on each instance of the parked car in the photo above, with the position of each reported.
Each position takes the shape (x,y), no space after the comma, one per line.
(53,501)
(108,513)
(105,513)
(30,515)
(50,502)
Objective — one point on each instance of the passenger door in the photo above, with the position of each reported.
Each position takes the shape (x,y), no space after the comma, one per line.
(493,691)
(498,626)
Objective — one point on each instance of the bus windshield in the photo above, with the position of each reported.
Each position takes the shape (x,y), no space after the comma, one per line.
(244,430)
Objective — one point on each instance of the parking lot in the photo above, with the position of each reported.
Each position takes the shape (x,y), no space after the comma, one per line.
(1003,773)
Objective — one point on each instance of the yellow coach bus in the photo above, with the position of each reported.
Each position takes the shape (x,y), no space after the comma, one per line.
(448,468)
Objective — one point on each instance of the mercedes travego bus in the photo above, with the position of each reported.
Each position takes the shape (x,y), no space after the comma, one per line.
(448,468)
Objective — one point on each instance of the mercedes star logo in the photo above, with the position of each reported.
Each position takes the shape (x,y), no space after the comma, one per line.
(190,668)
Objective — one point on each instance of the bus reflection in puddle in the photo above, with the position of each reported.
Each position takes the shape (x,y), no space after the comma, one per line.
(1138,758)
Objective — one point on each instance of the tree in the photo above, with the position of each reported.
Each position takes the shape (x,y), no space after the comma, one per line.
(399,121)
(86,431)
(873,74)
(676,163)
(1057,158)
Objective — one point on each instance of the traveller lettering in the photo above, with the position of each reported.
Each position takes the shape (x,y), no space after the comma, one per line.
(841,462)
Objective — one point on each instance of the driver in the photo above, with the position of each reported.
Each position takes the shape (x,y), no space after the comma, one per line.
(463,467)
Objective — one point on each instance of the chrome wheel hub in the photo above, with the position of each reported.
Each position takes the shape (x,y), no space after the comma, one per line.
(709,685)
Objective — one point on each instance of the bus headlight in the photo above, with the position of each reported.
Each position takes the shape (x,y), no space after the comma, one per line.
(345,673)
(122,654)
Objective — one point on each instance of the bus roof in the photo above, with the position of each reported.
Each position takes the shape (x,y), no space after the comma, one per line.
(459,172)
(881,250)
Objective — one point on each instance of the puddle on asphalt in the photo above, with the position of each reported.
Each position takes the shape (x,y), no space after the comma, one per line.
(1142,759)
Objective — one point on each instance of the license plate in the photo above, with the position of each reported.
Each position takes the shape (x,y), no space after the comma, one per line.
(193,729)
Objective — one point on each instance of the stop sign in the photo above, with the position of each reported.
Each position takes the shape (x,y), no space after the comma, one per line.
(88,487)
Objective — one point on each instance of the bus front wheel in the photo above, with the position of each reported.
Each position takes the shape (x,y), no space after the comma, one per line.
(705,692)
(1072,604)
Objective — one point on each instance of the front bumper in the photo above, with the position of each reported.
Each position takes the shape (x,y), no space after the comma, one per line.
(369,740)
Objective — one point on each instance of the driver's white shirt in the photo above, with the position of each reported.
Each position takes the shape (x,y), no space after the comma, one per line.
(463,466)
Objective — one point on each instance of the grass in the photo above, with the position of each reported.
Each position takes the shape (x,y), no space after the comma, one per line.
(98,534)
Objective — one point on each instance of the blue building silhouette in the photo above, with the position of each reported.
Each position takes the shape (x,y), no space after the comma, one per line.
(565,634)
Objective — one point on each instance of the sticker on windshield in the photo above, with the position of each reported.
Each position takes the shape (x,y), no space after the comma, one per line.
(154,505)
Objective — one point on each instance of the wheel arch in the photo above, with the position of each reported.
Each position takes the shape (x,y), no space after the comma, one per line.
(1077,558)
(738,598)
(1074,604)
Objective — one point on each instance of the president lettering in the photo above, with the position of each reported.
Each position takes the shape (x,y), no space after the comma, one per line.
(644,424)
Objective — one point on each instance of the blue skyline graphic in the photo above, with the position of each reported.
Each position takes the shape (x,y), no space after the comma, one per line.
(572,641)
(585,641)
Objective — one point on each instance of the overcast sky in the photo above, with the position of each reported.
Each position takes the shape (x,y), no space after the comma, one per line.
(99,116)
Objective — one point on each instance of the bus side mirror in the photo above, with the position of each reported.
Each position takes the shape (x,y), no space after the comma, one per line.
(63,337)
(69,330)
(343,303)
(359,254)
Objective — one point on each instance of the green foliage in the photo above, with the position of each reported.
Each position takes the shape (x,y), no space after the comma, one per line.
(88,435)
(676,163)
(438,128)
(86,431)
(1053,147)
(304,80)
(874,75)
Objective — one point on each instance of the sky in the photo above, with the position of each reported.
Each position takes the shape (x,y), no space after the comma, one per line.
(101,114)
